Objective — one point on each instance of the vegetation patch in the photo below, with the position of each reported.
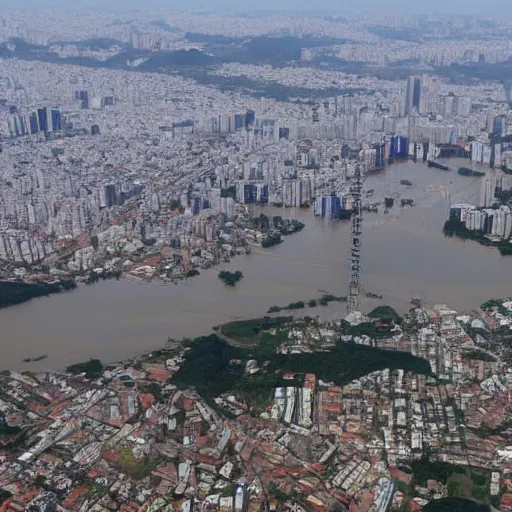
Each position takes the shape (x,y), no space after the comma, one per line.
(230,278)
(7,430)
(425,469)
(386,314)
(92,368)
(135,468)
(12,293)
(492,304)
(478,355)
(271,240)
(455,505)
(324,300)
(371,295)
(249,330)
(214,367)
(35,359)
(275,227)
(462,483)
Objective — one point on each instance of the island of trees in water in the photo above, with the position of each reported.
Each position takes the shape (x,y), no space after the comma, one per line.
(324,300)
(230,278)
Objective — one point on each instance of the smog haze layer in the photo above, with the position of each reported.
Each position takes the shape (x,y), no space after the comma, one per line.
(392,7)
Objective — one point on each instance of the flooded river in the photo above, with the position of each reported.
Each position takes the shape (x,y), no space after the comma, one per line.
(404,255)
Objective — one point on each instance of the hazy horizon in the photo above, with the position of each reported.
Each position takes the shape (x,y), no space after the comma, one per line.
(462,7)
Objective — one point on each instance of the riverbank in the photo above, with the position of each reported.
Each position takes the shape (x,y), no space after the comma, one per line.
(458,229)
(18,292)
(114,319)
(258,232)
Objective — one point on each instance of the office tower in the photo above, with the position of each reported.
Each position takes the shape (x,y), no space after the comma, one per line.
(22,125)
(412,94)
(262,193)
(250,117)
(196,205)
(399,147)
(34,125)
(328,207)
(56,119)
(379,156)
(499,126)
(107,101)
(83,97)
(239,121)
(110,195)
(284,133)
(42,115)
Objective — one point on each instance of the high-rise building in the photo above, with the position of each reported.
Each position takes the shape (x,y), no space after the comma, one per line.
(110,195)
(250,116)
(239,121)
(22,125)
(328,207)
(449,105)
(412,94)
(296,192)
(463,105)
(499,126)
(42,115)
(487,193)
(16,127)
(262,193)
(399,147)
(56,119)
(34,125)
(250,193)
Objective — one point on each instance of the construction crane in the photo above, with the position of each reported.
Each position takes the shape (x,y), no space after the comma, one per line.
(355,246)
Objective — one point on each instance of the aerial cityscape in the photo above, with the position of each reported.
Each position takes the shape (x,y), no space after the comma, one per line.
(255,260)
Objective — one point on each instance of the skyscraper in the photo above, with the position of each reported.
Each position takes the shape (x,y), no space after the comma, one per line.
(412,94)
(34,126)
(110,195)
(56,119)
(22,124)
(42,115)
(487,193)
(250,117)
(499,125)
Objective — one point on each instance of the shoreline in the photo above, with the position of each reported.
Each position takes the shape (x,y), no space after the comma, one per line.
(289,227)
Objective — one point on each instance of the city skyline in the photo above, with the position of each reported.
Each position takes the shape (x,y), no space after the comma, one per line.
(256,262)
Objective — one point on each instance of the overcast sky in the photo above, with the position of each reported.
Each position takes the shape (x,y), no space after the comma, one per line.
(482,7)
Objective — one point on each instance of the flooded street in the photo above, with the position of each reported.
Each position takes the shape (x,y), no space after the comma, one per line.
(404,254)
